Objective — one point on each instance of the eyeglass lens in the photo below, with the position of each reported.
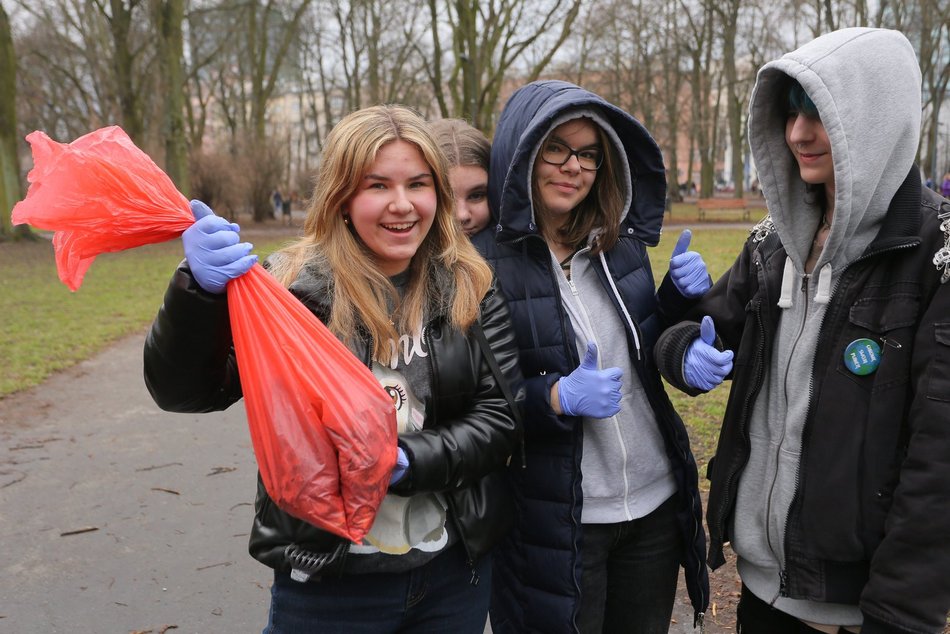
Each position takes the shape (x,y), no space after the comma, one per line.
(558,154)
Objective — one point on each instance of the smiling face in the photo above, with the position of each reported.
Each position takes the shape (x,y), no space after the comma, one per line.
(562,187)
(470,185)
(808,141)
(394,206)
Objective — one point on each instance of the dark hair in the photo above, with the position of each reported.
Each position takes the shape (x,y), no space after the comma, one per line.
(799,102)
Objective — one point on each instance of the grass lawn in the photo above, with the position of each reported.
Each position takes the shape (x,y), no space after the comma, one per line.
(48,328)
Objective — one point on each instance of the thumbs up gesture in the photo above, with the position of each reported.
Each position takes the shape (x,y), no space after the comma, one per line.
(688,269)
(588,391)
(705,367)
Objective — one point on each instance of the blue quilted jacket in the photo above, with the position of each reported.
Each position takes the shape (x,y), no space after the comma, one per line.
(537,569)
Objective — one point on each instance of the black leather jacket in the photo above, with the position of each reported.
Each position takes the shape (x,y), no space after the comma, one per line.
(470,432)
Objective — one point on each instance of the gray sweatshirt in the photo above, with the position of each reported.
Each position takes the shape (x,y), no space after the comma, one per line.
(866,86)
(626,473)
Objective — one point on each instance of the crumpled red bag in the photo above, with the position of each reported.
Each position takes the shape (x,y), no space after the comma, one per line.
(323,429)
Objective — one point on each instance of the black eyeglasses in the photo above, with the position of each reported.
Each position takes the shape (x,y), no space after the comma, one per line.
(556,153)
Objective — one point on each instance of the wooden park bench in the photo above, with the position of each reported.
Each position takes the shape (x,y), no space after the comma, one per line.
(713,204)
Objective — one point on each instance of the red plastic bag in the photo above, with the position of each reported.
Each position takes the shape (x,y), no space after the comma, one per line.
(99,194)
(356,449)
(323,430)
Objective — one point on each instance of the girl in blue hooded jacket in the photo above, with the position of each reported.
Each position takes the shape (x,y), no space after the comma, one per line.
(608,498)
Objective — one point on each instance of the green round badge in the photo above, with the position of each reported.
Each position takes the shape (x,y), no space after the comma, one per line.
(862,356)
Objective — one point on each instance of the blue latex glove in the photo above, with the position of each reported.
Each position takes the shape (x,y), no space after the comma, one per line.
(588,391)
(214,251)
(704,367)
(401,468)
(688,269)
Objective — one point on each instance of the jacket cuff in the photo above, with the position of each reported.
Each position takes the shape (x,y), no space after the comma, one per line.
(670,355)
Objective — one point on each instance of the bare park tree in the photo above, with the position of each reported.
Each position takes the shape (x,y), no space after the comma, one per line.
(477,43)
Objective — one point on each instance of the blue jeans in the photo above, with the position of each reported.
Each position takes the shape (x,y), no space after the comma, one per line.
(434,598)
(629,573)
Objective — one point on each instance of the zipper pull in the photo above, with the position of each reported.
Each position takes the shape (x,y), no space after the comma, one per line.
(783,583)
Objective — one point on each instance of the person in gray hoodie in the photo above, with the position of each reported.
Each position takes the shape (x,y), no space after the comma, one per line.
(832,473)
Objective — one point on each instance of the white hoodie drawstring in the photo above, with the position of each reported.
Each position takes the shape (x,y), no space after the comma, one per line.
(613,287)
(822,293)
(788,280)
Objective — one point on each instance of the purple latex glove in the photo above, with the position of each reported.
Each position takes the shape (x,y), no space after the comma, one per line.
(588,391)
(214,251)
(688,269)
(401,467)
(705,367)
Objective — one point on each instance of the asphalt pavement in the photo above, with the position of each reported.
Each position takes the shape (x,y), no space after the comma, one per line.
(118,517)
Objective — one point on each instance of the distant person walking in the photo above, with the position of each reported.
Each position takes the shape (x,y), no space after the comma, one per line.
(278,203)
(945,186)
(286,208)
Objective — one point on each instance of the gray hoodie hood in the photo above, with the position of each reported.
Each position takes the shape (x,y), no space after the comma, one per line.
(866,86)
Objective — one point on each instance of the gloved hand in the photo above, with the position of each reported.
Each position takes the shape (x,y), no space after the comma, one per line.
(214,251)
(588,391)
(688,269)
(704,367)
(401,468)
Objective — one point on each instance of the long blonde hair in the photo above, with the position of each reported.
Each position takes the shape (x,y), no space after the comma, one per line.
(360,293)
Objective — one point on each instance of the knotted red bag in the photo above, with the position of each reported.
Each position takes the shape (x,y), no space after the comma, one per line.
(323,430)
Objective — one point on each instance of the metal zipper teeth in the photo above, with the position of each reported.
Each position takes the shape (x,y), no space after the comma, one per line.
(572,356)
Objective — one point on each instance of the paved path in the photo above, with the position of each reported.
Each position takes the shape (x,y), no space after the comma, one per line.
(169,496)
(118,517)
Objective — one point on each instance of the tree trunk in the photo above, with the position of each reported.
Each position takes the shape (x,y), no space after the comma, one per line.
(9,161)
(169,15)
(130,100)
(729,13)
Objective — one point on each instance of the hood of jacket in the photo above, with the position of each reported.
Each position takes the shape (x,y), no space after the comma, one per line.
(530,114)
(866,85)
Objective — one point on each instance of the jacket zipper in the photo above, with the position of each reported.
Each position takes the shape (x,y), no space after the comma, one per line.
(783,562)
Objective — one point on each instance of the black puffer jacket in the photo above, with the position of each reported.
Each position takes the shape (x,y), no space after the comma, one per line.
(469,434)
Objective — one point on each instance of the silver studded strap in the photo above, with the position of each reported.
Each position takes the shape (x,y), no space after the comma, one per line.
(942,256)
